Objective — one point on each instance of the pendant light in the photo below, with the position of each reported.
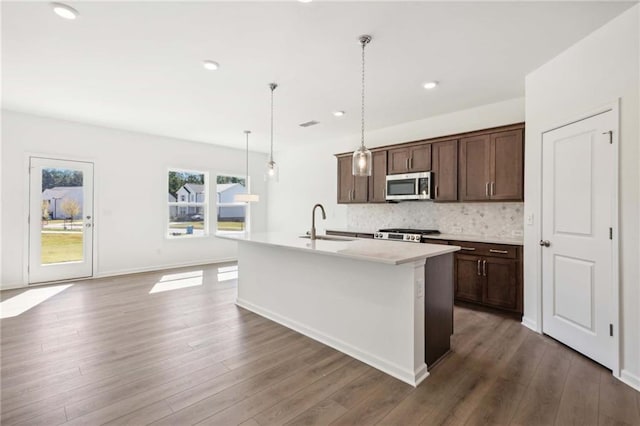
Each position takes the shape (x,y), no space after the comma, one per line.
(247,197)
(362,156)
(272,168)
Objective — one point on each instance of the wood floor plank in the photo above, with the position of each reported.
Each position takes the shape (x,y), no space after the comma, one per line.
(306,398)
(580,398)
(541,401)
(618,402)
(267,398)
(323,413)
(107,351)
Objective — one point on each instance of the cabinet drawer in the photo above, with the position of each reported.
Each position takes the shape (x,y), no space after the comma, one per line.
(434,241)
(484,249)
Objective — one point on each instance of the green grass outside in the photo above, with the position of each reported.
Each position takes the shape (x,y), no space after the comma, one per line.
(230,226)
(61,248)
(183,225)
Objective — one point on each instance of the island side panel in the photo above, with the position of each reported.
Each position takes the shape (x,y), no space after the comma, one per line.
(371,311)
(438,307)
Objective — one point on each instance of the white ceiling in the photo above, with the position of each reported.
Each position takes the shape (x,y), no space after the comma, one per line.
(138,65)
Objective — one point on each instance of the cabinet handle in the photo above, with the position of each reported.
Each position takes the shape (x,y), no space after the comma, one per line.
(350,196)
(493,188)
(468,249)
(484,268)
(486,190)
(478,267)
(410,163)
(436,191)
(384,193)
(406,163)
(498,251)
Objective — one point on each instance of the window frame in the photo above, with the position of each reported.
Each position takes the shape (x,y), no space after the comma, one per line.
(203,205)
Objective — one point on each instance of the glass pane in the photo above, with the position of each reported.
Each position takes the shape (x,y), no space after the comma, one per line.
(230,217)
(186,221)
(186,187)
(62,223)
(401,187)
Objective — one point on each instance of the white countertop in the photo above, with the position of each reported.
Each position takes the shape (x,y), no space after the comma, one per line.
(517,241)
(381,251)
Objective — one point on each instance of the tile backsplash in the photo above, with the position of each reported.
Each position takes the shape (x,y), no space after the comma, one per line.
(482,219)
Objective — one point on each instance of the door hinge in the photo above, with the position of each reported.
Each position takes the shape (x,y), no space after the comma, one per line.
(611,330)
(610,133)
(611,233)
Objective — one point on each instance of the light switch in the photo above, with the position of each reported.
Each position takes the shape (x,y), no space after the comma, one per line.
(530,219)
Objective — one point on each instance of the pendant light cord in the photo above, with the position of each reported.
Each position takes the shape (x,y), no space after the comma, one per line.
(273,87)
(246,132)
(364,43)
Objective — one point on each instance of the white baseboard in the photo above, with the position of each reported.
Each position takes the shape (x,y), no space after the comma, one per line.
(410,377)
(160,267)
(630,379)
(120,272)
(531,324)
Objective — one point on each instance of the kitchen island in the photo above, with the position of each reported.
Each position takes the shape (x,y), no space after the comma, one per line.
(388,304)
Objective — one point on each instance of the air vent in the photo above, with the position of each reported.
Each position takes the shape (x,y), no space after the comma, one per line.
(309,123)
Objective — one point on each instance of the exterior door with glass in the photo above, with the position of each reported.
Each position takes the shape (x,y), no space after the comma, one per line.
(60,220)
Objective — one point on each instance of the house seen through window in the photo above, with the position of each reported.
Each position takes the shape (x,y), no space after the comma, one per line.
(232,216)
(188,204)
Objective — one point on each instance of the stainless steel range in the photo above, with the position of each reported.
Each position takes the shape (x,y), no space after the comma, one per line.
(400,234)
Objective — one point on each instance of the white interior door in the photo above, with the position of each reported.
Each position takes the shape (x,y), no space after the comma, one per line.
(579,168)
(60,220)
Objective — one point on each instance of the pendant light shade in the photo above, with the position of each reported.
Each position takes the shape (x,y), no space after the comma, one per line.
(362,156)
(271,173)
(247,197)
(362,162)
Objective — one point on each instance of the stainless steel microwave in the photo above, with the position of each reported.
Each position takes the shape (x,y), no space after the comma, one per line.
(409,186)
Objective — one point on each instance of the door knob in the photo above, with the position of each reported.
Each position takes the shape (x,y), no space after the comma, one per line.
(545,243)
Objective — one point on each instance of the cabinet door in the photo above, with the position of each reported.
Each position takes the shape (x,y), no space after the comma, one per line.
(378,179)
(500,289)
(360,189)
(398,161)
(507,166)
(475,173)
(345,180)
(420,158)
(468,278)
(445,170)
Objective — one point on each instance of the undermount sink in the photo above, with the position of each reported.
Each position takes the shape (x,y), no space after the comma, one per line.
(328,238)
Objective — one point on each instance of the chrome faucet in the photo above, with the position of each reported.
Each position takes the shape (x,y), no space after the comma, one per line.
(313,220)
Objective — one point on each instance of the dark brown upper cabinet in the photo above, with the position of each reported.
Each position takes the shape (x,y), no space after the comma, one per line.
(491,167)
(484,165)
(507,166)
(415,158)
(351,189)
(378,178)
(444,162)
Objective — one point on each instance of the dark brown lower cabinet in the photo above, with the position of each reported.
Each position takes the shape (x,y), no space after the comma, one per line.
(489,275)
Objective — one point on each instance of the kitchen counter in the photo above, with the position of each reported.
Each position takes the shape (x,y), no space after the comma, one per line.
(388,304)
(389,252)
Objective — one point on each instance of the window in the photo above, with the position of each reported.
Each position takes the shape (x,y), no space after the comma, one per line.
(188,206)
(232,216)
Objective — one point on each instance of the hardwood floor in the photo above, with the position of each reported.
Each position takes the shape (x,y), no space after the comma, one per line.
(110,351)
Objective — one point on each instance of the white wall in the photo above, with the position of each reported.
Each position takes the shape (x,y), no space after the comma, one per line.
(591,74)
(130,225)
(308,174)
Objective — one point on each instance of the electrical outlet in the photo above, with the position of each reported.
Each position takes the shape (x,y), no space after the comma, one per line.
(517,233)
(456,230)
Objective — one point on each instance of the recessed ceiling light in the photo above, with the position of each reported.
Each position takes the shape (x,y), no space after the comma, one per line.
(305,1)
(64,11)
(431,85)
(338,113)
(210,65)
